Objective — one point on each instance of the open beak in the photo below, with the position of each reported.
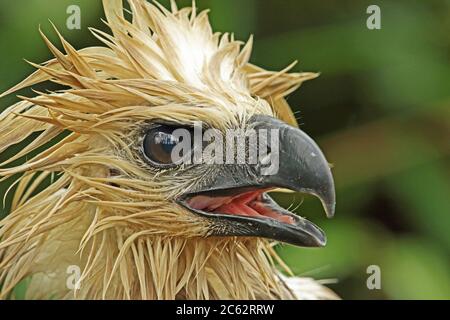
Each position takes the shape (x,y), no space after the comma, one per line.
(235,199)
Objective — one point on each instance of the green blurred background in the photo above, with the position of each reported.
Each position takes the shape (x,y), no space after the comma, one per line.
(380,110)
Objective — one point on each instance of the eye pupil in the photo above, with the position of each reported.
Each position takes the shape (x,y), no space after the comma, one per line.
(168,142)
(159,144)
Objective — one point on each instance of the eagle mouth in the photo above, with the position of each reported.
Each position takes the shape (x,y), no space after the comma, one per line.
(234,199)
(252,212)
(246,204)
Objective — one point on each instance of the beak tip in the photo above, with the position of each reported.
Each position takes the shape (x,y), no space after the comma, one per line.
(328,199)
(322,241)
(331,209)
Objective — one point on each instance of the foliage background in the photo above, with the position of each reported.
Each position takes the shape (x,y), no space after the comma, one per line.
(380,110)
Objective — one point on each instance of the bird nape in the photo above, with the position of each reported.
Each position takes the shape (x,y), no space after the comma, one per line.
(134,222)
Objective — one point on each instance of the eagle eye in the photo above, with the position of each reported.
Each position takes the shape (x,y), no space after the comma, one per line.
(159,143)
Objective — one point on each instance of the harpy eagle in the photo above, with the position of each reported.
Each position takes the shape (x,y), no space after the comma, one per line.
(97,190)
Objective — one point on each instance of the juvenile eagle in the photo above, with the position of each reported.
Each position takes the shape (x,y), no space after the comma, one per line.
(97,191)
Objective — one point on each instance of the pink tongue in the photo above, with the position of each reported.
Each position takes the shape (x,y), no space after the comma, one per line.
(245,205)
(238,209)
(247,197)
(204,202)
(259,207)
(213,203)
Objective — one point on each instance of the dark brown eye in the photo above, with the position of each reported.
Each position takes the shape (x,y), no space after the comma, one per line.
(159,144)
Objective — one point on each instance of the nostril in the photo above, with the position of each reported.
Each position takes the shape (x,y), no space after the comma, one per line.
(266,159)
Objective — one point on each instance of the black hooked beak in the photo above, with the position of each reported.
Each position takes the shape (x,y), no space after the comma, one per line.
(235,198)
